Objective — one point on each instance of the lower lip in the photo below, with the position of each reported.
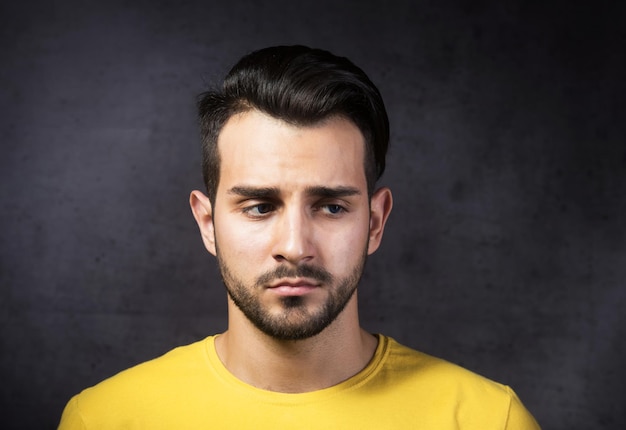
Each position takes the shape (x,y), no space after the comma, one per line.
(291,290)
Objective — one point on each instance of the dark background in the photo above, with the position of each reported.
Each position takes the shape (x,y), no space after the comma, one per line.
(506,250)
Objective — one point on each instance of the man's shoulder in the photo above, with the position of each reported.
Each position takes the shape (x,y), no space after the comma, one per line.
(410,364)
(447,389)
(170,368)
(141,391)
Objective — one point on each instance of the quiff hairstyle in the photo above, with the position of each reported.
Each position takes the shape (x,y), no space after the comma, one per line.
(301,86)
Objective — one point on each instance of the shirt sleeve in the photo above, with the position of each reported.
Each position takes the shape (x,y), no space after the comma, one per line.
(519,418)
(71,418)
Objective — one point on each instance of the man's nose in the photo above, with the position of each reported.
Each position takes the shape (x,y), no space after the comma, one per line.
(293,237)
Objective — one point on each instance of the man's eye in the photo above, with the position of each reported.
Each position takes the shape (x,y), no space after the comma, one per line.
(260,209)
(333,209)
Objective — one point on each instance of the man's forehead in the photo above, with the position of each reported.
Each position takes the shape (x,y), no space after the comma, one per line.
(253,131)
(259,150)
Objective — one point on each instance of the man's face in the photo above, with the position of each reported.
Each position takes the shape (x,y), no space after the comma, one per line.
(291,222)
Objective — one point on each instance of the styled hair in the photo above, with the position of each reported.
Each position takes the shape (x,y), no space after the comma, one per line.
(301,86)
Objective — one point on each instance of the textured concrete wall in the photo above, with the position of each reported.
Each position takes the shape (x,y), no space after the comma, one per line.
(506,250)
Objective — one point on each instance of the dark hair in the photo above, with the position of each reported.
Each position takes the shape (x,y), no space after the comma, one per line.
(301,86)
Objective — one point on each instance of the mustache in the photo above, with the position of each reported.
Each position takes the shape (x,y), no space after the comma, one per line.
(304,271)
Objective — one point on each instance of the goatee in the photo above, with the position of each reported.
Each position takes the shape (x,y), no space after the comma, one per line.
(295,321)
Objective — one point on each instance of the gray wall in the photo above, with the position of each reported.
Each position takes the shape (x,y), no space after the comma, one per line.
(505,252)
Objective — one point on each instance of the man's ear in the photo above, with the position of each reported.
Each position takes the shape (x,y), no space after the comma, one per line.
(203,213)
(380,208)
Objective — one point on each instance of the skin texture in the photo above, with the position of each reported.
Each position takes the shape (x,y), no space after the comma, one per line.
(291,228)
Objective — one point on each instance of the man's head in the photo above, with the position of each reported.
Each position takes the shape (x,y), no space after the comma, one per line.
(301,86)
(293,147)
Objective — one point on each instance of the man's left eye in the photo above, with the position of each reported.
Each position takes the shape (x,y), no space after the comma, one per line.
(333,209)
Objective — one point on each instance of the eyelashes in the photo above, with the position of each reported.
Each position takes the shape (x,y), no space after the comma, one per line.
(264,210)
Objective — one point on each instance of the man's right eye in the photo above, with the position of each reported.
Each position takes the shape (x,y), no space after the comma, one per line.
(259,210)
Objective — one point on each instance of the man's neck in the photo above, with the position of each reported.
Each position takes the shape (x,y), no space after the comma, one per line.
(339,352)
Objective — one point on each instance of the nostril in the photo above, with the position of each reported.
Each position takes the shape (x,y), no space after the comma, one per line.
(280,257)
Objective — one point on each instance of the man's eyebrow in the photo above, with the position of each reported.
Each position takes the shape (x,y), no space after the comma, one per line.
(254,192)
(251,192)
(332,192)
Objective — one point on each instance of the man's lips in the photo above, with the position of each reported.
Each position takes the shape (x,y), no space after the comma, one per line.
(293,287)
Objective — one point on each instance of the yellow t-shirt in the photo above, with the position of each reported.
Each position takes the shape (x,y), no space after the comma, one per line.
(189,388)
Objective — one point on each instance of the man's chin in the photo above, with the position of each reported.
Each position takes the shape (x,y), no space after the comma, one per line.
(293,324)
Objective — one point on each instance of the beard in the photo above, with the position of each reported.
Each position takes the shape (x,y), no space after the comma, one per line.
(295,321)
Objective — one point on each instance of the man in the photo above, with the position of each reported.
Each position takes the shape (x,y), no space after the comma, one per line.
(293,145)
